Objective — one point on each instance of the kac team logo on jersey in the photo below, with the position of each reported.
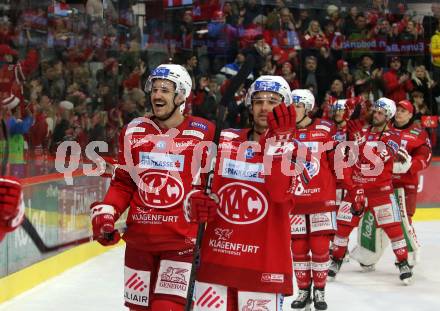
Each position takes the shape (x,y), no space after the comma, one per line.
(160,190)
(241,203)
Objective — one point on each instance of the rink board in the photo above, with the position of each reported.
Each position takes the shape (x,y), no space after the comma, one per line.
(23,280)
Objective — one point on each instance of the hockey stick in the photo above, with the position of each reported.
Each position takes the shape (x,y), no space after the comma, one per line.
(200,230)
(236,81)
(28,227)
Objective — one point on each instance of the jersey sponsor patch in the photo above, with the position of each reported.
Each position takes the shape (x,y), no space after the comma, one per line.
(317,134)
(415,131)
(344,212)
(322,221)
(253,301)
(272,278)
(160,190)
(172,278)
(136,286)
(242,170)
(135,129)
(182,145)
(393,145)
(210,297)
(241,203)
(199,125)
(194,133)
(384,214)
(298,224)
(161,161)
(229,135)
(326,122)
(323,127)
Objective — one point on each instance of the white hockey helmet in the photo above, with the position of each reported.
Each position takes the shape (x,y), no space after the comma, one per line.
(388,105)
(174,73)
(340,104)
(303,96)
(275,84)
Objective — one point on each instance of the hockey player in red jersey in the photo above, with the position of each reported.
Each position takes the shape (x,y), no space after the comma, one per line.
(153,175)
(413,156)
(372,187)
(313,220)
(340,112)
(245,254)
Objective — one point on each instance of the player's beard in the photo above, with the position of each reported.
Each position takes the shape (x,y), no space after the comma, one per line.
(376,123)
(260,124)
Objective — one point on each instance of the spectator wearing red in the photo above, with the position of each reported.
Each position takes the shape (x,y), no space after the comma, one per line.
(334,37)
(314,37)
(289,75)
(6,34)
(397,83)
(284,33)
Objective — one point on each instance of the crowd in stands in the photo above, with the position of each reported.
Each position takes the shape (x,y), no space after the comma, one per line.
(80,69)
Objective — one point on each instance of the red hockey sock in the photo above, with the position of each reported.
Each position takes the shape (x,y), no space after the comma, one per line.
(162,305)
(301,262)
(395,233)
(340,242)
(320,244)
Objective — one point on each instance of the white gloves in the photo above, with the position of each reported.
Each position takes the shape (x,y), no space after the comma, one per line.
(404,162)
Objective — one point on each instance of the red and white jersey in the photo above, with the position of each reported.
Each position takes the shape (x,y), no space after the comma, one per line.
(319,194)
(247,245)
(340,135)
(416,141)
(367,171)
(162,177)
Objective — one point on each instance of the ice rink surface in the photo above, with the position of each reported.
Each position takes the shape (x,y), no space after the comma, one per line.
(98,284)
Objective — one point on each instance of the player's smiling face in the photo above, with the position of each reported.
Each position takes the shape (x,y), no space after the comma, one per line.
(162,97)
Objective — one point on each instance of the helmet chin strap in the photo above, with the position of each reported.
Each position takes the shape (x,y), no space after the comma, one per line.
(305,115)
